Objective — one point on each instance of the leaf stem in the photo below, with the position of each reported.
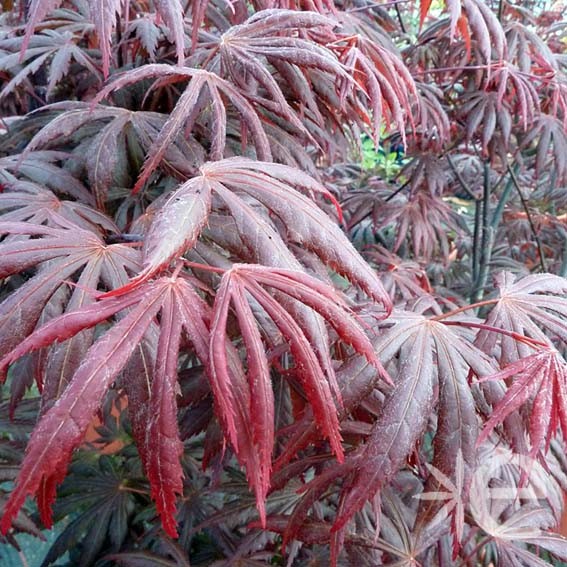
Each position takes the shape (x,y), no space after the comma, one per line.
(120,46)
(125,488)
(484,327)
(400,20)
(448,69)
(464,308)
(500,10)
(375,5)
(204,267)
(563,268)
(398,190)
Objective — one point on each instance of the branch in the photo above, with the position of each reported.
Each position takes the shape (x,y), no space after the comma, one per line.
(530,220)
(486,238)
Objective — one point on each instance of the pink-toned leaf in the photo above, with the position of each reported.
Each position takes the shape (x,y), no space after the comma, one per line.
(172,13)
(543,377)
(62,428)
(103,14)
(394,434)
(305,222)
(163,447)
(175,228)
(37,10)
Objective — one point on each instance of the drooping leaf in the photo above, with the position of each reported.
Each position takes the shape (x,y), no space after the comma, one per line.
(60,253)
(163,448)
(244,281)
(305,223)
(173,14)
(37,10)
(62,428)
(394,434)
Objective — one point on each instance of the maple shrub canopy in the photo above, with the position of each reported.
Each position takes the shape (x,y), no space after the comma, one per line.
(283,282)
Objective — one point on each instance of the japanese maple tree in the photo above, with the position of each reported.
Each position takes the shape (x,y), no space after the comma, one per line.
(302,267)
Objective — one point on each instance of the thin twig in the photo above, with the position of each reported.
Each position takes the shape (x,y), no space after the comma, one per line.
(449,69)
(500,9)
(23,559)
(486,192)
(399,14)
(398,190)
(376,5)
(484,327)
(120,53)
(204,267)
(530,219)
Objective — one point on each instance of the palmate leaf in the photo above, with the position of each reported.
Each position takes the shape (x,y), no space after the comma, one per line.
(61,429)
(402,279)
(60,253)
(106,154)
(239,401)
(476,15)
(383,79)
(273,186)
(527,50)
(63,426)
(541,377)
(271,35)
(486,119)
(394,434)
(434,364)
(94,495)
(42,167)
(356,378)
(519,93)
(103,14)
(37,11)
(550,139)
(525,307)
(424,219)
(172,12)
(51,50)
(243,281)
(189,106)
(25,201)
(527,524)
(147,32)
(262,244)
